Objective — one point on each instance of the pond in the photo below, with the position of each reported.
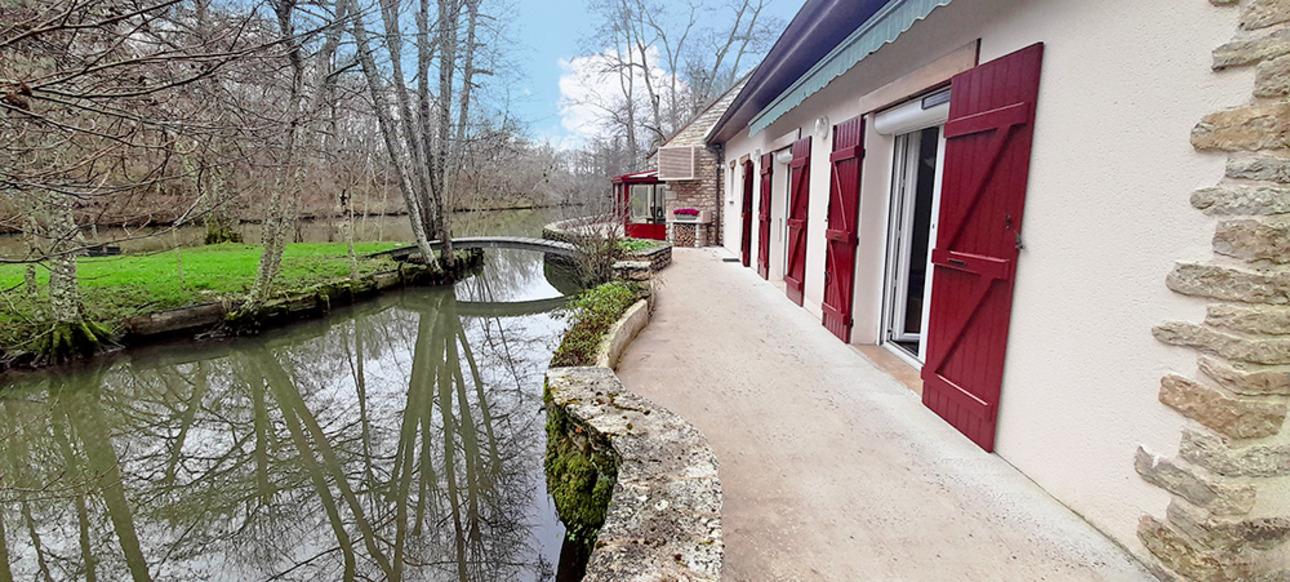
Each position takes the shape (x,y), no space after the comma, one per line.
(400,439)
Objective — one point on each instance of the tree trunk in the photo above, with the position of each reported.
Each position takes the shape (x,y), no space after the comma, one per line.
(449,12)
(64,291)
(389,134)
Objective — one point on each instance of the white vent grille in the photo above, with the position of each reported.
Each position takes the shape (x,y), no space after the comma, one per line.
(676,163)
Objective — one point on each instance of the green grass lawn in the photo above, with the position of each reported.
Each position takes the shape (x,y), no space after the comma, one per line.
(126,285)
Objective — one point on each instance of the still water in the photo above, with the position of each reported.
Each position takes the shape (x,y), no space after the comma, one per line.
(400,439)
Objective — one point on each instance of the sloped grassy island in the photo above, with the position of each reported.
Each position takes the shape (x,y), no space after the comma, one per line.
(138,297)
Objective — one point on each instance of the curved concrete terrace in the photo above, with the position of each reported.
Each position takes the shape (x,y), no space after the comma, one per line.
(831,469)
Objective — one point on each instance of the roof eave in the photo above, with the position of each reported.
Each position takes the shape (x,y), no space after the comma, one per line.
(812,34)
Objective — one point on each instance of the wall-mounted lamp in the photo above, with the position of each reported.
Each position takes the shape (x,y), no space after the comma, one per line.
(822,127)
(784,156)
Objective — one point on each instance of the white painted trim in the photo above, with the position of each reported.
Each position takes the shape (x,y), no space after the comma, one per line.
(900,352)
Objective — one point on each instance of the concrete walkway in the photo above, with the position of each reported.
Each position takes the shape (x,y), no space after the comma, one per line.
(831,469)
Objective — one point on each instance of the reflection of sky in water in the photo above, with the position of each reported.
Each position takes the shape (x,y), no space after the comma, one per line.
(304,453)
(513,275)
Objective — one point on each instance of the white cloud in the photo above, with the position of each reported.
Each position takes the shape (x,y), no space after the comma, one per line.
(590,87)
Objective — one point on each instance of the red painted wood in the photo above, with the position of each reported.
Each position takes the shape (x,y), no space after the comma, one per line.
(763,216)
(799,194)
(745,246)
(643,230)
(841,233)
(987,163)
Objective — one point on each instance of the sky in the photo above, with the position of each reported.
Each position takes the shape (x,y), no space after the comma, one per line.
(550,36)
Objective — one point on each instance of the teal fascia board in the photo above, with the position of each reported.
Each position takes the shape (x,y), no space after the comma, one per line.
(889,23)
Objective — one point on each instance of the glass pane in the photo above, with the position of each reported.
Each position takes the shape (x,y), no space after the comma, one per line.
(641,202)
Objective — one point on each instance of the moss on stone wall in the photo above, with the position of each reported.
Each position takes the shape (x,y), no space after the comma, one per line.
(581,470)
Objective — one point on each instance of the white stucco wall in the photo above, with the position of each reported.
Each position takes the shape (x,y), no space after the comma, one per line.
(1107,216)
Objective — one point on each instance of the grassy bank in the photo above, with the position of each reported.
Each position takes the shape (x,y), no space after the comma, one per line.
(113,288)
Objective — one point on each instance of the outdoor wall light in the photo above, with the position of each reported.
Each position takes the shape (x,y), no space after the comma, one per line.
(822,127)
(784,156)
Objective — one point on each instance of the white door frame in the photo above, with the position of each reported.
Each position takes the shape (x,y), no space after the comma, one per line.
(899,228)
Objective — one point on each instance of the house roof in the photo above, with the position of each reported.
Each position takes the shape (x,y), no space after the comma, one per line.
(816,29)
(883,27)
(825,39)
(695,132)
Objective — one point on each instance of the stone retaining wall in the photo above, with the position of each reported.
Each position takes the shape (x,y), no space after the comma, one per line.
(663,519)
(658,257)
(575,230)
(663,522)
(622,333)
(641,265)
(1229,517)
(635,266)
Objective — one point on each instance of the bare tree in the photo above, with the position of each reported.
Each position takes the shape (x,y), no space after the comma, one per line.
(305,100)
(89,112)
(669,62)
(427,116)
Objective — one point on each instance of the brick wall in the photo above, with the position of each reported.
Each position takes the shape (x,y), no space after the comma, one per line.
(701,193)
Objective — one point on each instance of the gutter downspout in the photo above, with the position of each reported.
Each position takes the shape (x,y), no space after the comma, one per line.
(720,151)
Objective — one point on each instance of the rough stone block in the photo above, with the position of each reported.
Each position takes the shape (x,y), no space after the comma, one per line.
(1194,485)
(1261,319)
(1255,350)
(1260,167)
(1230,284)
(632,270)
(1253,50)
(1258,14)
(1240,418)
(664,520)
(1272,79)
(1254,240)
(1215,453)
(1243,199)
(1227,533)
(1188,558)
(1262,126)
(1248,379)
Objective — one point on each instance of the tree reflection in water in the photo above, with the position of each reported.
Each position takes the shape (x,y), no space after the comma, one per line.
(397,442)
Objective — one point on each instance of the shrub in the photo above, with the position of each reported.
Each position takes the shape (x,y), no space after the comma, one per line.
(593,313)
(632,245)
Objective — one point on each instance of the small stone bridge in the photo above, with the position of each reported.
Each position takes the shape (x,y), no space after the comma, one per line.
(560,248)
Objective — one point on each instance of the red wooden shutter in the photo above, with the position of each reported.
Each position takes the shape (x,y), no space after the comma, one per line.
(763,215)
(745,246)
(799,195)
(987,161)
(840,236)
